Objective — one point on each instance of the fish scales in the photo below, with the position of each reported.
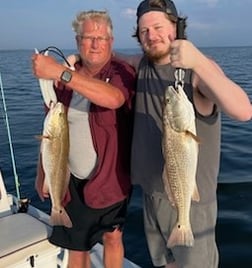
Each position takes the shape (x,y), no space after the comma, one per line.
(55,151)
(180,151)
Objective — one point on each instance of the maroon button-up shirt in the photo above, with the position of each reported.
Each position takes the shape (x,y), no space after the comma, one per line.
(111,134)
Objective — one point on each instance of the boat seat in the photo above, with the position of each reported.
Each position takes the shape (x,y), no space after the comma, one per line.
(21,230)
(5,208)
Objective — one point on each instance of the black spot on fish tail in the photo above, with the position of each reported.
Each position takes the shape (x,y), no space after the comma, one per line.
(60,217)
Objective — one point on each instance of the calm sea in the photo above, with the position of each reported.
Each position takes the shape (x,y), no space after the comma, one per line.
(234,227)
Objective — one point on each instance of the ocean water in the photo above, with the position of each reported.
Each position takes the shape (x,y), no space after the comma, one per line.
(25,115)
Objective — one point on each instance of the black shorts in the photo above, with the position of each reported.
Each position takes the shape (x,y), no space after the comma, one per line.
(89,224)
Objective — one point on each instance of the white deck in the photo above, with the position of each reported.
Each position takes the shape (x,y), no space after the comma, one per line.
(24,239)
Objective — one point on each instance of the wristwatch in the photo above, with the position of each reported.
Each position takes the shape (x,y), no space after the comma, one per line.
(66,76)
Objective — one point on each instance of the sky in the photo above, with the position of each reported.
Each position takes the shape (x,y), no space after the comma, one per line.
(26,24)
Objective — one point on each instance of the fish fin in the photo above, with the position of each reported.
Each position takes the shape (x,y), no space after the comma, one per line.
(167,187)
(181,235)
(41,137)
(195,137)
(45,137)
(45,189)
(67,179)
(196,195)
(60,217)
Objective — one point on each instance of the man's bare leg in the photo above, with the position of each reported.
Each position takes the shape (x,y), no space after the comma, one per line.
(79,259)
(113,249)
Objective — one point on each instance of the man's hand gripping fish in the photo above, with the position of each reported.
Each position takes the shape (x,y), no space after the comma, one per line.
(180,151)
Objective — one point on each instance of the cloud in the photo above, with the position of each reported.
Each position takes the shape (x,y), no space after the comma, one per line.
(208,3)
(129,13)
(205,3)
(200,26)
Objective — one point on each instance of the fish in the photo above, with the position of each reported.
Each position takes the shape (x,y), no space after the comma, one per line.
(180,147)
(54,151)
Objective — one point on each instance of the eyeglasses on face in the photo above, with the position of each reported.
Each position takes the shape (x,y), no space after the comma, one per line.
(91,39)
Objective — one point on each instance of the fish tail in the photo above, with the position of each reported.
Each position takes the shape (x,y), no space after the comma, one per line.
(60,217)
(181,235)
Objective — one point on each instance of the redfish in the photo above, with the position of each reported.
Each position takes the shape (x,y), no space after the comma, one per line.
(54,155)
(180,151)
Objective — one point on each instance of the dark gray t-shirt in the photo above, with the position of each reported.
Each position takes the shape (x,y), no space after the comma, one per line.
(147,159)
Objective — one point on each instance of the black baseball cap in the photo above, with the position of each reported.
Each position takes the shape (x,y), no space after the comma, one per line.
(145,6)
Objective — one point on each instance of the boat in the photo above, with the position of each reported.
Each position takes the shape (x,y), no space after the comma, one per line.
(24,229)
(24,232)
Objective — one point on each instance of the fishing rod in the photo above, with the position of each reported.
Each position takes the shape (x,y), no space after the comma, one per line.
(180,34)
(56,51)
(17,184)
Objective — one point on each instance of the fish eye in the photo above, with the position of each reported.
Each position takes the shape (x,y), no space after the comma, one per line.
(167,100)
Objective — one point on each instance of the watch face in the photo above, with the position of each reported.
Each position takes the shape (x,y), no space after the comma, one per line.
(66,76)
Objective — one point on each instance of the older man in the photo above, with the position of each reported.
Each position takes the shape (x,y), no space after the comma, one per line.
(98,99)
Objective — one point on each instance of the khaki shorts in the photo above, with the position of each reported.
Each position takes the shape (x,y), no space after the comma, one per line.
(159,219)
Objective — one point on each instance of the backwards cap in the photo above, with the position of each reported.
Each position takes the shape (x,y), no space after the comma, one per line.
(144,7)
